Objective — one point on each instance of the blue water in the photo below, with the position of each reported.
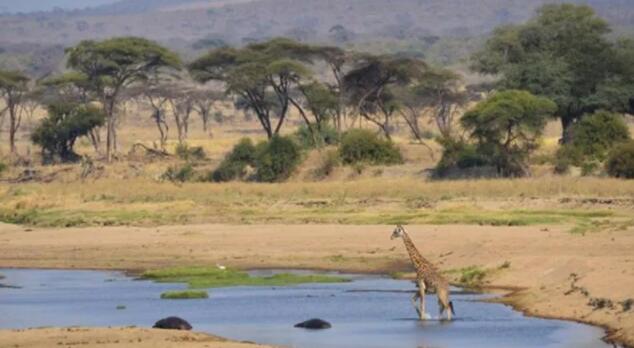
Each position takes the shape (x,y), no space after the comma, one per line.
(367,312)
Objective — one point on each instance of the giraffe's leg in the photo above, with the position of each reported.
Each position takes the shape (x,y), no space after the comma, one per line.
(444,304)
(414,299)
(421,290)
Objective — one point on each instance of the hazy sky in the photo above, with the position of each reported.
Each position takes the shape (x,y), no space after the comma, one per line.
(39,5)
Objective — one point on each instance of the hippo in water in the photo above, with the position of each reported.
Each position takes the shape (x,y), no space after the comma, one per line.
(172,323)
(314,324)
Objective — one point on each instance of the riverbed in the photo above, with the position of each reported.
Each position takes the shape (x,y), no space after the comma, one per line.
(365,312)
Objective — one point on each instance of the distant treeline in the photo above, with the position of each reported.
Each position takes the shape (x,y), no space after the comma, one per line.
(562,64)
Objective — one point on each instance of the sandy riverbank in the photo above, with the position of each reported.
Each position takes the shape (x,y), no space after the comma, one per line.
(113,338)
(540,260)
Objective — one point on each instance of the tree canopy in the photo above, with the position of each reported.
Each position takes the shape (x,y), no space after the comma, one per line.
(114,64)
(261,75)
(506,127)
(564,54)
(370,86)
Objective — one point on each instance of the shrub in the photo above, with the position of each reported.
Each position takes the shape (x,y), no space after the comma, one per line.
(228,171)
(593,138)
(66,122)
(235,163)
(3,167)
(276,159)
(363,146)
(458,154)
(190,153)
(472,276)
(179,174)
(620,161)
(326,135)
(328,162)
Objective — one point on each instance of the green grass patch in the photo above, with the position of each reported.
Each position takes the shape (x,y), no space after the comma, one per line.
(184,295)
(213,277)
(256,207)
(81,218)
(471,276)
(594,226)
(399,275)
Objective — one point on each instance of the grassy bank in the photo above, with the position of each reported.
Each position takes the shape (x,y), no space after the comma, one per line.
(213,277)
(590,203)
(184,295)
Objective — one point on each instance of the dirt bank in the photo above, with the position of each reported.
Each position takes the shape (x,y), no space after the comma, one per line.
(586,278)
(113,338)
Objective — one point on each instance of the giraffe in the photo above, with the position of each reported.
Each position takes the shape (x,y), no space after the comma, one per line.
(427,278)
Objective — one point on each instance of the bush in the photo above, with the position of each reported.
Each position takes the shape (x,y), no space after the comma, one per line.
(328,162)
(593,138)
(325,136)
(363,146)
(193,153)
(458,155)
(66,122)
(276,159)
(620,163)
(235,163)
(3,167)
(179,174)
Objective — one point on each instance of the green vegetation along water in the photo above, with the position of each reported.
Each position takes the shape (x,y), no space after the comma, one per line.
(217,277)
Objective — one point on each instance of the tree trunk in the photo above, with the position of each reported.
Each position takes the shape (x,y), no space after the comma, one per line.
(204,115)
(14,125)
(109,129)
(95,139)
(566,124)
(109,138)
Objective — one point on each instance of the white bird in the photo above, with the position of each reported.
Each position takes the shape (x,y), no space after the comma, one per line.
(221,267)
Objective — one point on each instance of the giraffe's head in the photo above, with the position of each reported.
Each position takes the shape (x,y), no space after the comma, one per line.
(398,232)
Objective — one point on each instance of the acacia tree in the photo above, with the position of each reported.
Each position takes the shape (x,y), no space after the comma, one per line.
(203,102)
(317,101)
(337,61)
(436,93)
(371,84)
(563,54)
(113,65)
(181,106)
(506,127)
(30,103)
(13,88)
(262,76)
(156,95)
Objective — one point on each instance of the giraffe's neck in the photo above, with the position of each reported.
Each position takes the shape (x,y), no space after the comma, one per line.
(417,259)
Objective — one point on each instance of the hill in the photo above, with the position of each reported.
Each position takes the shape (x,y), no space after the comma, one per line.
(443,30)
(239,20)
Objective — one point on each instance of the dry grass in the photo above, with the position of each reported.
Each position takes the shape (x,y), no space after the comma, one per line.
(128,193)
(550,200)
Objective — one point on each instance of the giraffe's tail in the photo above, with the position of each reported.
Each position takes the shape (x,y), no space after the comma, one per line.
(451,308)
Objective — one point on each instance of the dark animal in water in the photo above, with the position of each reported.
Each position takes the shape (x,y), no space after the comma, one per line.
(314,324)
(173,323)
